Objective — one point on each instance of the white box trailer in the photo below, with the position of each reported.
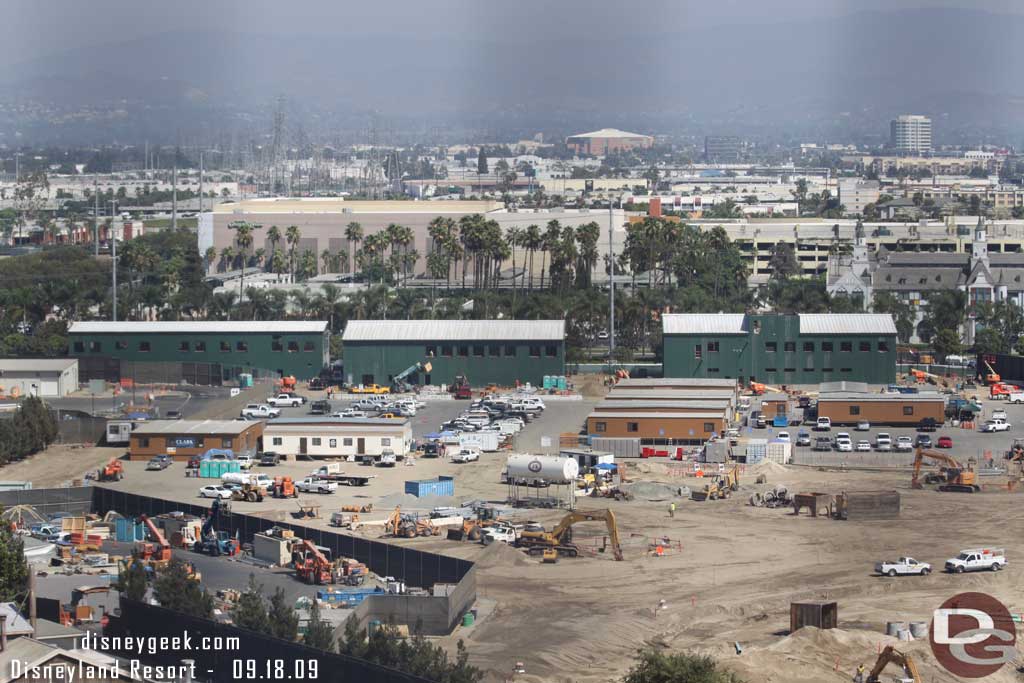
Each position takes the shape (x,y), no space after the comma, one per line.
(488,442)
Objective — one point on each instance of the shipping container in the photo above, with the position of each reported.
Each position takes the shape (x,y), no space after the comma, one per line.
(129,531)
(487,442)
(442,486)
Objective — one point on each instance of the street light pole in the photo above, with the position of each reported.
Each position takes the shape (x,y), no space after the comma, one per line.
(113,253)
(611,285)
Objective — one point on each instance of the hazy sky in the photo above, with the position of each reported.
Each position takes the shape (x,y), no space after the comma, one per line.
(32,28)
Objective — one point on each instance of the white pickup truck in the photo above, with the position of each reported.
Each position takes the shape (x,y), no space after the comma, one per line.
(285,401)
(977,559)
(314,485)
(258,410)
(902,566)
(507,533)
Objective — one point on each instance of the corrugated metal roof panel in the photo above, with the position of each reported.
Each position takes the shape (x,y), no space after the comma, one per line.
(847,323)
(692,405)
(36,364)
(703,323)
(454,330)
(201,327)
(660,416)
(670,394)
(669,382)
(875,398)
(194,427)
(337,421)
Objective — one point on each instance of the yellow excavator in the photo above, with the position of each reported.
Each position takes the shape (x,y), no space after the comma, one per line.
(721,486)
(951,477)
(891,655)
(559,541)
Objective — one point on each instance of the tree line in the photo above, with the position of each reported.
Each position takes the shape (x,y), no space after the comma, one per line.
(29,430)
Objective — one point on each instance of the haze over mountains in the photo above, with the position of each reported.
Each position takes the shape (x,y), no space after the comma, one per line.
(810,77)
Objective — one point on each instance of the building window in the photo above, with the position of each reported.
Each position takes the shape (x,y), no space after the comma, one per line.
(143,442)
(712,347)
(200,346)
(883,347)
(463,350)
(333,443)
(293,346)
(865,346)
(550,350)
(846,347)
(534,352)
(709,427)
(847,370)
(827,369)
(494,350)
(769,369)
(79,347)
(697,351)
(226,443)
(808,347)
(510,350)
(430,350)
(316,440)
(771,347)
(385,441)
(144,346)
(632,426)
(826,347)
(600,426)
(347,441)
(183,346)
(789,347)
(854,410)
(478,350)
(908,410)
(225,347)
(790,370)
(275,343)
(307,346)
(277,441)
(446,351)
(95,346)
(241,346)
(121,345)
(712,370)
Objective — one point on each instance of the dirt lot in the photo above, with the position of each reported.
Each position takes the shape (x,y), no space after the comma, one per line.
(59,465)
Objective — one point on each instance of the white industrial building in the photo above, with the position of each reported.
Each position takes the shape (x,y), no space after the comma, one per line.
(335,437)
(43,377)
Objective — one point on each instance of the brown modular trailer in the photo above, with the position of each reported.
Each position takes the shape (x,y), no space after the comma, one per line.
(182,439)
(681,426)
(773,407)
(888,409)
(868,505)
(818,614)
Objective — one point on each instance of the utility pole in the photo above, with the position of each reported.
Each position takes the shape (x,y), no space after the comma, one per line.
(96,213)
(200,183)
(611,285)
(113,254)
(174,192)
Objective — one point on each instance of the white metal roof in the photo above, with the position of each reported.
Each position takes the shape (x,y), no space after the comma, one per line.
(702,323)
(201,327)
(454,330)
(609,133)
(671,394)
(659,416)
(675,382)
(705,404)
(176,427)
(847,323)
(36,364)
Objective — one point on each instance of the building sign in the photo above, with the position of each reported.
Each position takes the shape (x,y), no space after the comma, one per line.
(183,442)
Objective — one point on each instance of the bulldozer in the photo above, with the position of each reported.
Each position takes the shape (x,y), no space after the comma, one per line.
(112,471)
(891,655)
(721,486)
(559,539)
(249,493)
(951,477)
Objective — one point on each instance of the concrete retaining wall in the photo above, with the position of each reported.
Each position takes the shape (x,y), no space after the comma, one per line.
(875,460)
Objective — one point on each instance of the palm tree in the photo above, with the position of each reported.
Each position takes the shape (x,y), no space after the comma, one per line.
(274,237)
(292,237)
(586,237)
(210,256)
(278,263)
(514,238)
(259,257)
(354,235)
(326,259)
(244,239)
(227,257)
(531,240)
(548,243)
(404,238)
(307,266)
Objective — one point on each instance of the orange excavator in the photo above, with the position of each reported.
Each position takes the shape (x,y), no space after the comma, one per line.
(311,565)
(951,477)
(159,554)
(759,388)
(891,655)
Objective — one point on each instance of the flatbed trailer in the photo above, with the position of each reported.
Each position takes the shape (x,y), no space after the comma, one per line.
(347,479)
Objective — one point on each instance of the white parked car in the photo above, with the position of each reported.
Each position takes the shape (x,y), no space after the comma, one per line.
(387,459)
(823,424)
(863,445)
(903,566)
(244,461)
(351,412)
(215,491)
(883,442)
(904,444)
(995,426)
(504,533)
(863,426)
(314,485)
(466,455)
(783,436)
(844,445)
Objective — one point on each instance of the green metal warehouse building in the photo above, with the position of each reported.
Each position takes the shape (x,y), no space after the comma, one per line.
(781,349)
(485,351)
(206,353)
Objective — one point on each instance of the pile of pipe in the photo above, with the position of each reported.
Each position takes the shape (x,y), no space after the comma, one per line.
(775,498)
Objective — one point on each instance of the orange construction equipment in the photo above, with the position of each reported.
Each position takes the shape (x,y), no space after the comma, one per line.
(311,565)
(162,554)
(112,471)
(757,388)
(891,655)
(992,377)
(284,487)
(1000,390)
(287,383)
(952,476)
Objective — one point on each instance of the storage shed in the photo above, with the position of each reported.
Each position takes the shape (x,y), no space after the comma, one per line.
(442,486)
(43,377)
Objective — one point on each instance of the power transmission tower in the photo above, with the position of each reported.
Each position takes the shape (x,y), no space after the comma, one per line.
(276,146)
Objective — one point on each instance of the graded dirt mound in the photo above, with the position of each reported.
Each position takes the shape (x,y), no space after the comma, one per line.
(501,555)
(654,491)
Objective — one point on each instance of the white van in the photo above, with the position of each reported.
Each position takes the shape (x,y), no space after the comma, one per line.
(824,424)
(1016,397)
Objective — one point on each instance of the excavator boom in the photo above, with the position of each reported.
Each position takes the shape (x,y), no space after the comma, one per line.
(558,535)
(891,655)
(957,477)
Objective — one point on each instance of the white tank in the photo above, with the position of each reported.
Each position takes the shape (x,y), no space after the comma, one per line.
(549,467)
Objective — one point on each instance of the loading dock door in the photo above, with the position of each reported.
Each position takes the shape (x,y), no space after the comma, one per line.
(360,446)
(302,446)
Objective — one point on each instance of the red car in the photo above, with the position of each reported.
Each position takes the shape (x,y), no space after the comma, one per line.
(944,442)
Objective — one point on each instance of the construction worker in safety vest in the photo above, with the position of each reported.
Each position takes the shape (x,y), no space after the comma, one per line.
(859,677)
(672,509)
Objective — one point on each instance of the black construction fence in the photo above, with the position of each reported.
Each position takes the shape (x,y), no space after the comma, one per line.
(1009,367)
(75,500)
(222,652)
